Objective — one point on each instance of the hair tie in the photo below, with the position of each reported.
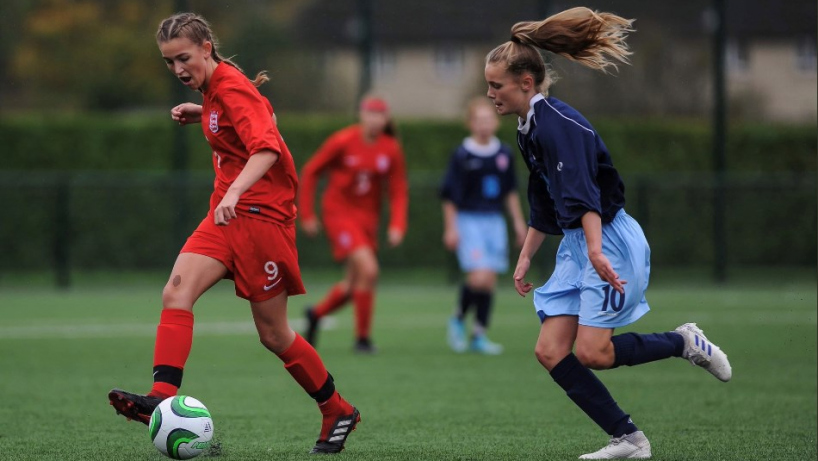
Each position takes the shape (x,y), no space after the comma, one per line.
(515,39)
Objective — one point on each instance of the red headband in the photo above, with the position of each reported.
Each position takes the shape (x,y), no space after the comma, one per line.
(374,105)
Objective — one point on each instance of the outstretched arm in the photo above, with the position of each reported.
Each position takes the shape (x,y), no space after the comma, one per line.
(186,113)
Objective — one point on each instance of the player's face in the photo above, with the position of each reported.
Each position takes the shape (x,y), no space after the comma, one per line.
(373,122)
(188,61)
(505,91)
(483,122)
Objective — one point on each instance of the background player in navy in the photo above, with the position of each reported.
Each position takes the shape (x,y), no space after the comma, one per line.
(603,261)
(479,183)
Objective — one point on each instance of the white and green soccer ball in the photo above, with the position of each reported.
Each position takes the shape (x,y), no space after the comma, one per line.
(181,427)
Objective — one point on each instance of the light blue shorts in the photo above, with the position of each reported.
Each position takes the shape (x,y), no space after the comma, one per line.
(576,289)
(483,241)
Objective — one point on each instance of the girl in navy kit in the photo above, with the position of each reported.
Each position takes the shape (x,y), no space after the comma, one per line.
(603,261)
(479,183)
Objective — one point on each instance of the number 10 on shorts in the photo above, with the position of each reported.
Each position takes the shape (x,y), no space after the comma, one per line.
(613,299)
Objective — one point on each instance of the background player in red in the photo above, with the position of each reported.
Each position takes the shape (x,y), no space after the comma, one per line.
(248,234)
(361,161)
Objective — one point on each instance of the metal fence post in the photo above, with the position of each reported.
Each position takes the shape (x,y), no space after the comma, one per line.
(62,232)
(719,141)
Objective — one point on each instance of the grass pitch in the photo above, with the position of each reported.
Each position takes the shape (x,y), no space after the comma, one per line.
(60,352)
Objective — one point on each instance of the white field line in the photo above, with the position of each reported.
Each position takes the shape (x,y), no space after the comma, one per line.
(119,330)
(704,318)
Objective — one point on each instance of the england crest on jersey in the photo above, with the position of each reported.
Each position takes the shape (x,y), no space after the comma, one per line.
(214,122)
(382,163)
(502,162)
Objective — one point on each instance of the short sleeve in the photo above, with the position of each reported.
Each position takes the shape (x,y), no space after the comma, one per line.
(251,118)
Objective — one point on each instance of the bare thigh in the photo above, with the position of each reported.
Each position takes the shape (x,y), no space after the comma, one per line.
(192,275)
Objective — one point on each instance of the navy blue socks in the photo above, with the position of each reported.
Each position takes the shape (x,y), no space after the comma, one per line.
(482,300)
(634,349)
(465,301)
(590,395)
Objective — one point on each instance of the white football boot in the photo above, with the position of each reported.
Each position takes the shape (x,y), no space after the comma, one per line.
(700,351)
(630,446)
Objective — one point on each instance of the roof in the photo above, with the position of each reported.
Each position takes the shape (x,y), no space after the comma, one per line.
(333,23)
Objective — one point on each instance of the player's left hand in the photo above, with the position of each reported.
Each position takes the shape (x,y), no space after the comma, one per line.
(394,237)
(226,210)
(522,287)
(603,267)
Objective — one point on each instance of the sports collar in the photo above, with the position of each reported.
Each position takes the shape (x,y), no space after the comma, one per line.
(524,125)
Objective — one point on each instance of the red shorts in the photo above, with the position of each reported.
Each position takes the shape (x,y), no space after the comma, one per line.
(347,235)
(260,256)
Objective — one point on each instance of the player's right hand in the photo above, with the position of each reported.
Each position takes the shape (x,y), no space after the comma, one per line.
(520,284)
(186,113)
(451,239)
(311,227)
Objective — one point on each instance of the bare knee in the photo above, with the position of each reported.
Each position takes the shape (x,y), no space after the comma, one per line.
(276,341)
(595,358)
(370,274)
(549,355)
(482,280)
(175,297)
(366,273)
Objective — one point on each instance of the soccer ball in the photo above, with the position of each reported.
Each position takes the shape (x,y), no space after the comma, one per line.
(181,427)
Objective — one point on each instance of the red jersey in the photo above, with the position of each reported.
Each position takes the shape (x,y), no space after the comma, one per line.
(238,122)
(357,173)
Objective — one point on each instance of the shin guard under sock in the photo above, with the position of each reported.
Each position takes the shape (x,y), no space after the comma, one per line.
(174,338)
(336,297)
(591,396)
(634,349)
(364,308)
(464,302)
(482,300)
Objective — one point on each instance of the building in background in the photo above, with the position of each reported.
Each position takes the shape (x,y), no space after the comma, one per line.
(428,56)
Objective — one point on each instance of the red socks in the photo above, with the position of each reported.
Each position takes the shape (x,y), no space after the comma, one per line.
(174,338)
(336,298)
(364,301)
(303,363)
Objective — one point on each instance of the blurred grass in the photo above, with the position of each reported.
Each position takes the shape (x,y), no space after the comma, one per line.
(60,351)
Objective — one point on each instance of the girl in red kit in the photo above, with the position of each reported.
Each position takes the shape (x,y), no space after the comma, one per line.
(360,161)
(248,235)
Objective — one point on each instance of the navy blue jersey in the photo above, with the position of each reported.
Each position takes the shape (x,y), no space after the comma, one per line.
(479,177)
(571,169)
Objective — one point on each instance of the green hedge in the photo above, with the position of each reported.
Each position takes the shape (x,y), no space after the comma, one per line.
(145,142)
(109,176)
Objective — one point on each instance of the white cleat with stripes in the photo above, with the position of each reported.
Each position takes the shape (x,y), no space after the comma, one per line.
(700,351)
(630,446)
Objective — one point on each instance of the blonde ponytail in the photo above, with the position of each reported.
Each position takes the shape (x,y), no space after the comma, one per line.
(579,34)
(593,39)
